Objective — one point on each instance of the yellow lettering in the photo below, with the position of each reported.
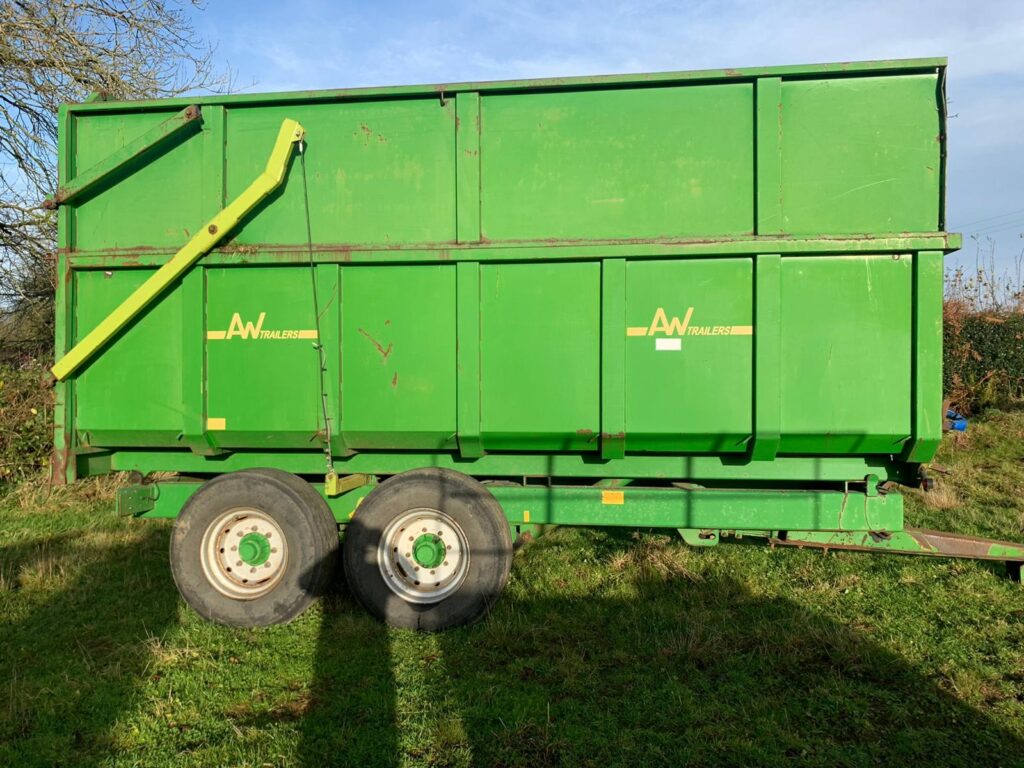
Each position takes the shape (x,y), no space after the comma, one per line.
(246,330)
(661,324)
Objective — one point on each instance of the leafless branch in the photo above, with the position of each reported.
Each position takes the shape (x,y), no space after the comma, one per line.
(58,51)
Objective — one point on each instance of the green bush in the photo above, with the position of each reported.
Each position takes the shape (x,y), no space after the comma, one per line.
(26,420)
(983,361)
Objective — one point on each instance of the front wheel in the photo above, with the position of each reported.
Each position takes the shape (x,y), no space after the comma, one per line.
(253,548)
(428,549)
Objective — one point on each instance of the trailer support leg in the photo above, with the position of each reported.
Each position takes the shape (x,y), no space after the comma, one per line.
(910,541)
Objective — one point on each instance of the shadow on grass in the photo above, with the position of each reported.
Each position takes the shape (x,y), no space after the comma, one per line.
(351,718)
(660,670)
(676,672)
(74,648)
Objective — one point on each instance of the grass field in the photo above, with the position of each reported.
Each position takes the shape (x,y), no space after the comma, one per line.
(609,648)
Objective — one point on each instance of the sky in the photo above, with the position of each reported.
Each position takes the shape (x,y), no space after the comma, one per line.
(304,44)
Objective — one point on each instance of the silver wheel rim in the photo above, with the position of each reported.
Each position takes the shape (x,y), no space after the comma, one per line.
(232,553)
(421,581)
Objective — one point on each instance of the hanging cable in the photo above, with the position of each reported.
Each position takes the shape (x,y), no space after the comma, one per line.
(332,475)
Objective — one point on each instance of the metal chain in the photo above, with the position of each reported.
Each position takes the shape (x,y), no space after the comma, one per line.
(316,317)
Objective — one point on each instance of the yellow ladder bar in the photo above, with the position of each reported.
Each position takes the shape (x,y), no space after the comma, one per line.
(291,133)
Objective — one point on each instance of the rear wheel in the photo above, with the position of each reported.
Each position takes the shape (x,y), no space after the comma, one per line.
(253,548)
(428,549)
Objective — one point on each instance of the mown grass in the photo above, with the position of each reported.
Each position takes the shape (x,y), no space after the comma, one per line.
(609,648)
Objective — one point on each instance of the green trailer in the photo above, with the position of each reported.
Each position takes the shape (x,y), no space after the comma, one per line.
(443,317)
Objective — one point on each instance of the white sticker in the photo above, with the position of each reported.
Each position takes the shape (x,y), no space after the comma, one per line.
(668,345)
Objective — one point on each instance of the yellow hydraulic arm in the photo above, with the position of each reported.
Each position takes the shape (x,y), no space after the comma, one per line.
(291,133)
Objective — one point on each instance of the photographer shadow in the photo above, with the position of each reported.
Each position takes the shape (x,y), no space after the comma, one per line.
(661,669)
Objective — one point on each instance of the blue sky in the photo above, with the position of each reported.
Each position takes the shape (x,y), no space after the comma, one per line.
(305,44)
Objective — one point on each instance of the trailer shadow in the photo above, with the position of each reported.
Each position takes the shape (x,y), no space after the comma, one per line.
(72,657)
(678,672)
(668,671)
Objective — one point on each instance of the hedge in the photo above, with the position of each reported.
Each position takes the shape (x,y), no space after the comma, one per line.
(983,360)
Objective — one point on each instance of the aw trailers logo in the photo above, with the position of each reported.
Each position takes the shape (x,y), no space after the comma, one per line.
(673,330)
(251,330)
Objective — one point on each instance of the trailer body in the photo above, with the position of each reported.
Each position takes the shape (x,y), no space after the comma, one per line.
(702,300)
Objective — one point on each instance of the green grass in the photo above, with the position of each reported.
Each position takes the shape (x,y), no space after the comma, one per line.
(608,648)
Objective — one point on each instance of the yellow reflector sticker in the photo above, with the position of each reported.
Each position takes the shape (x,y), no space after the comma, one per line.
(613,497)
(526,515)
(216,424)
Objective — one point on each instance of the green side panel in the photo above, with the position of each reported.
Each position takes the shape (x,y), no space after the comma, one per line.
(928,413)
(861,155)
(262,375)
(723,508)
(717,470)
(378,172)
(846,354)
(398,357)
(540,356)
(129,395)
(156,201)
(676,350)
(653,162)
(689,377)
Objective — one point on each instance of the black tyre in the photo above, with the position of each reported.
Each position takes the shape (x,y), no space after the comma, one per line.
(428,549)
(253,548)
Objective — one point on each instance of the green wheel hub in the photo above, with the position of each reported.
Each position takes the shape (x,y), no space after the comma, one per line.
(428,550)
(254,549)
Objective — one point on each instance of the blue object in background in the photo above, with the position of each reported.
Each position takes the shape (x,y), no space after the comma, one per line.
(957,421)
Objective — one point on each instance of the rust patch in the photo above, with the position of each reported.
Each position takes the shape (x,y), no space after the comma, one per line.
(394,381)
(733,72)
(384,353)
(58,466)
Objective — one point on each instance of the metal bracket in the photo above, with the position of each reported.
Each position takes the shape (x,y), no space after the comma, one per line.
(695,537)
(335,484)
(136,499)
(290,134)
(152,138)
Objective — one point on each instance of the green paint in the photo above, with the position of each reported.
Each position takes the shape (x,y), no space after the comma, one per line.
(719,470)
(702,509)
(428,551)
(254,549)
(553,164)
(771,237)
(926,395)
(829,72)
(875,149)
(132,150)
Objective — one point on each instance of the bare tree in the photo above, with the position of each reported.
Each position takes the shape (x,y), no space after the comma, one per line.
(56,52)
